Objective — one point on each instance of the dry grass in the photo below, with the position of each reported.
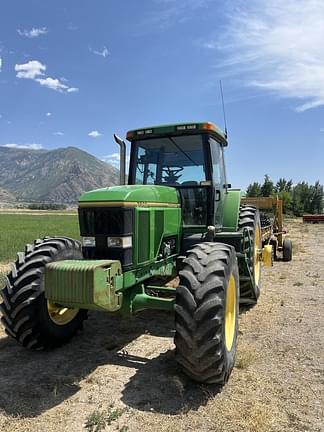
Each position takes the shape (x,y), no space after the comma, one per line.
(129,366)
(245,358)
(4,269)
(38,212)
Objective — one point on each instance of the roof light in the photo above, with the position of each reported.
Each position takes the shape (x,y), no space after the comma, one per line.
(209,126)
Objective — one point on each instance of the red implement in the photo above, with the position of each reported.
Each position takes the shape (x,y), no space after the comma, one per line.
(316,218)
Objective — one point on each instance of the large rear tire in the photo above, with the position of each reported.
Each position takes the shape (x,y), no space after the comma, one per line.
(206,313)
(249,219)
(26,315)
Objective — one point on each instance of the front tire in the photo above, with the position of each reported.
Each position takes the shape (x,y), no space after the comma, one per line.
(206,313)
(26,314)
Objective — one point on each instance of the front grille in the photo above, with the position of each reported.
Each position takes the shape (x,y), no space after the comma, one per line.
(103,222)
(106,221)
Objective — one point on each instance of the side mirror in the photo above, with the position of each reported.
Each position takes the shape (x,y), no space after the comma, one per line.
(122,162)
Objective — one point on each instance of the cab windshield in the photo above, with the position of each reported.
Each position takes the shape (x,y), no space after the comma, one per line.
(177,160)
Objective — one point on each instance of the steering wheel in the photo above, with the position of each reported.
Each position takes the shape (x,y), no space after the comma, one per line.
(171,173)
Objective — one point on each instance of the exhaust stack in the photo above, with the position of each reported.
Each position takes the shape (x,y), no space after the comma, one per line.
(122,166)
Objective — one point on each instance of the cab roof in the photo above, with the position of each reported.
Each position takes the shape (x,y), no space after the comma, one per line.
(178,129)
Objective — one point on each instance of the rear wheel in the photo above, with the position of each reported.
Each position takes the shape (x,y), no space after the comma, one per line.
(287,250)
(206,313)
(26,315)
(249,219)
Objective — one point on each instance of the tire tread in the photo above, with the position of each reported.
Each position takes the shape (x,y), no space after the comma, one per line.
(23,289)
(199,312)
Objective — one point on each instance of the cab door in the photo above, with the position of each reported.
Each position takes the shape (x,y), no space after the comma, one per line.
(219,181)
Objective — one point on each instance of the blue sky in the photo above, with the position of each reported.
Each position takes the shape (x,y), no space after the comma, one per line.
(74,72)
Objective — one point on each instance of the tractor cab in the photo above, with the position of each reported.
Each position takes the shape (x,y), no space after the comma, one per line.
(188,157)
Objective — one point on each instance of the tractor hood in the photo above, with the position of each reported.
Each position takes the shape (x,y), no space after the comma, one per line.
(131,196)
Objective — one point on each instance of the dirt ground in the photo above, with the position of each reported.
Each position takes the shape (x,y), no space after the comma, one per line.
(122,373)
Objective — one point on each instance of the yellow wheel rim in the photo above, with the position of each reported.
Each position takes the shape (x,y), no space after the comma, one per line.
(60,315)
(257,261)
(230,313)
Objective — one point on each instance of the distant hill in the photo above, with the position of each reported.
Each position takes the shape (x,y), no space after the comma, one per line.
(6,196)
(60,175)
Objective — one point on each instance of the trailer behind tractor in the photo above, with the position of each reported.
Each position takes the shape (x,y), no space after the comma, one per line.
(273,232)
(176,217)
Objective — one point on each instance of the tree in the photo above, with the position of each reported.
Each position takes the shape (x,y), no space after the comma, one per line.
(286,198)
(283,185)
(267,188)
(299,199)
(300,202)
(316,198)
(253,190)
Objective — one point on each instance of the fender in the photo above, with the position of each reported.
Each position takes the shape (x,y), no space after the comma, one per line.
(231,210)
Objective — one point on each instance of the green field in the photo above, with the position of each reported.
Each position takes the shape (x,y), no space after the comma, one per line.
(18,229)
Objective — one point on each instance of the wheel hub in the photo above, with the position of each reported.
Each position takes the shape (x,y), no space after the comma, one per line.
(257,255)
(60,315)
(230,313)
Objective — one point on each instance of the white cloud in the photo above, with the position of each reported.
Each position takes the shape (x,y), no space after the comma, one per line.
(103,53)
(34,69)
(94,134)
(52,83)
(58,133)
(114,159)
(0,64)
(24,146)
(322,130)
(48,114)
(30,70)
(72,89)
(33,33)
(167,13)
(276,46)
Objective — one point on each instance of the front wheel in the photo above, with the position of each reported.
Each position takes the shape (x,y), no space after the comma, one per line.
(206,313)
(26,314)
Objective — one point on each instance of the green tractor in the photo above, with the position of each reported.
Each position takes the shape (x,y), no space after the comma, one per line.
(176,219)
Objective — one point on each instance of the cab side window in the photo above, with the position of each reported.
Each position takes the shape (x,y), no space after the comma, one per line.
(218,162)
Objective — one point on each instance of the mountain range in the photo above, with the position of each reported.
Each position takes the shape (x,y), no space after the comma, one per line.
(59,175)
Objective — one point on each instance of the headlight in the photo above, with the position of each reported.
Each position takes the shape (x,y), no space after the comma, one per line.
(88,242)
(121,242)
